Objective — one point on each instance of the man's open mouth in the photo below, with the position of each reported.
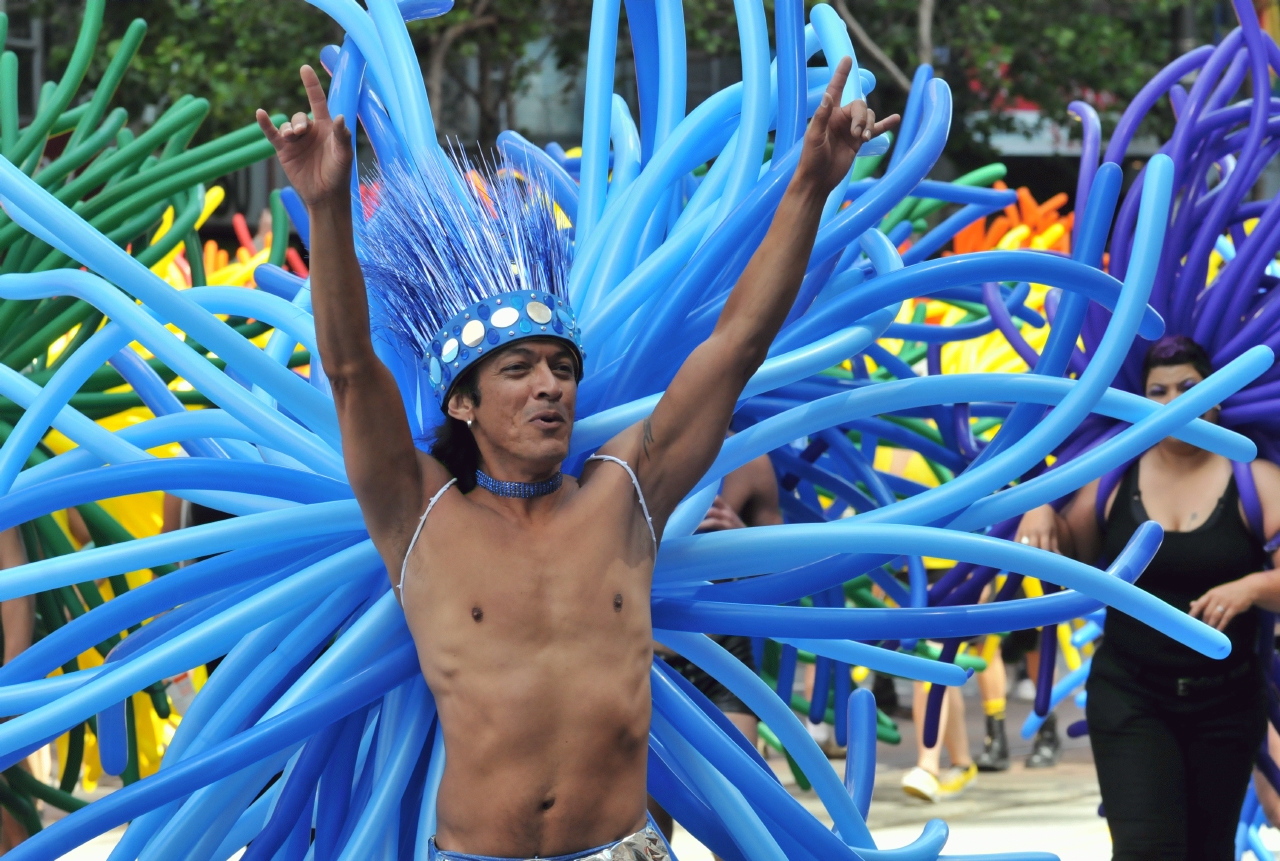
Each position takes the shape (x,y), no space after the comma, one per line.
(548,419)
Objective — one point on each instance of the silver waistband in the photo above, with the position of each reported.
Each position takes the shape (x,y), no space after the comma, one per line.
(645,845)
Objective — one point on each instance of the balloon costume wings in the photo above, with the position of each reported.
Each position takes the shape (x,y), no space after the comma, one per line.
(317,718)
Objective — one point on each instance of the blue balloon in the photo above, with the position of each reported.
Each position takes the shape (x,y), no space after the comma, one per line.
(297,601)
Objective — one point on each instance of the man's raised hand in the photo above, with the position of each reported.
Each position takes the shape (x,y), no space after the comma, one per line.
(315,151)
(836,133)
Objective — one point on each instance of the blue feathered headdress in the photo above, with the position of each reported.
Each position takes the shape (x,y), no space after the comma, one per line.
(466,260)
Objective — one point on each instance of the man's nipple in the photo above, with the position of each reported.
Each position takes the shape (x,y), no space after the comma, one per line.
(477,613)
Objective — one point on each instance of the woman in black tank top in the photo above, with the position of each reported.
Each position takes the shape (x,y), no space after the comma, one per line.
(1174,733)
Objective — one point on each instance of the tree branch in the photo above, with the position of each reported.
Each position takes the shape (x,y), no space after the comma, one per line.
(926,31)
(465,85)
(441,46)
(871,47)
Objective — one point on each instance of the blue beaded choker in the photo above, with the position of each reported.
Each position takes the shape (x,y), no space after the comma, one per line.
(519,489)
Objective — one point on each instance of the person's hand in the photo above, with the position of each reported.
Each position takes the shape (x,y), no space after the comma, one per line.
(314,152)
(1039,528)
(836,133)
(720,517)
(1221,604)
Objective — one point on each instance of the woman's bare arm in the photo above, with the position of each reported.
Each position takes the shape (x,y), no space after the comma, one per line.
(1261,589)
(1071,532)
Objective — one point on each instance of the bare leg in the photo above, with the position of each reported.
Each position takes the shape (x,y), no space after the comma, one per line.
(993,682)
(928,758)
(1033,664)
(11,833)
(18,616)
(172,511)
(953,732)
(79,531)
(993,685)
(747,724)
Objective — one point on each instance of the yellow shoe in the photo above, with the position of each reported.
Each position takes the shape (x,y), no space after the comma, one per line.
(919,783)
(956,779)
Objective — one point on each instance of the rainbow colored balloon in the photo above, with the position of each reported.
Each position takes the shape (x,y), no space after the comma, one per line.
(318,713)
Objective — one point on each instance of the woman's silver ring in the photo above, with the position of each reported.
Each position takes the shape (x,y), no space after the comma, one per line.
(1025,540)
(1220,608)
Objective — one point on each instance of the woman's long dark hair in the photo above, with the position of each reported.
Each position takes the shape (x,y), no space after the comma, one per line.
(453,445)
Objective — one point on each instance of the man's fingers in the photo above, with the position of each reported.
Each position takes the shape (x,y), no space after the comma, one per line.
(836,86)
(886,124)
(822,115)
(315,93)
(269,130)
(857,114)
(868,123)
(299,123)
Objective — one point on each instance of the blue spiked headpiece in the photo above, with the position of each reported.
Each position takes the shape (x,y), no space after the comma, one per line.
(467,261)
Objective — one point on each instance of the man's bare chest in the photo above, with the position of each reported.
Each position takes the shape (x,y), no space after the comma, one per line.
(571,570)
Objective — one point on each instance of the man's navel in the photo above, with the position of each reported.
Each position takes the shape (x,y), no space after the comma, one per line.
(477,614)
(617,602)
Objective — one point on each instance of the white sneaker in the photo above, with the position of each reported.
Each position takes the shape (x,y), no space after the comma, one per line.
(919,783)
(1025,691)
(822,733)
(955,780)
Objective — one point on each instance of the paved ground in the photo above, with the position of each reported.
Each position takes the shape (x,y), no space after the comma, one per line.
(1048,810)
(1044,810)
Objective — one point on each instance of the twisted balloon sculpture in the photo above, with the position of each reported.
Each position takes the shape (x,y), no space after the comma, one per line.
(150,185)
(318,715)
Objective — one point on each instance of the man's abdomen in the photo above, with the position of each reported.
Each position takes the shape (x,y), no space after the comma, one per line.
(546,748)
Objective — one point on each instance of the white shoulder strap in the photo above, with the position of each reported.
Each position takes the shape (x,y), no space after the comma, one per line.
(639,493)
(414,540)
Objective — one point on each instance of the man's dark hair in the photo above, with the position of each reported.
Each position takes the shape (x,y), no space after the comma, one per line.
(1175,350)
(453,445)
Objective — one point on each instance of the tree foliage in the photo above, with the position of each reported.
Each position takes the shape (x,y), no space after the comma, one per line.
(998,55)
(239,54)
(244,54)
(482,52)
(1005,53)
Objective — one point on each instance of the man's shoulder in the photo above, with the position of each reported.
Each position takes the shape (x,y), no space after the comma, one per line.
(435,474)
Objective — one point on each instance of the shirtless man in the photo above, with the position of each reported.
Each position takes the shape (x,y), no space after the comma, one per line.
(531,615)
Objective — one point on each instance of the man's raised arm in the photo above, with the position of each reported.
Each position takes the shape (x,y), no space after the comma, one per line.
(383,466)
(673,448)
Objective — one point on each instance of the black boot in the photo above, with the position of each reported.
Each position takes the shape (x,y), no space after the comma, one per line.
(1048,746)
(995,748)
(887,697)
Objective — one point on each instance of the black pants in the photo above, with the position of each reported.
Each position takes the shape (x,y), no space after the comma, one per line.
(721,697)
(1173,769)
